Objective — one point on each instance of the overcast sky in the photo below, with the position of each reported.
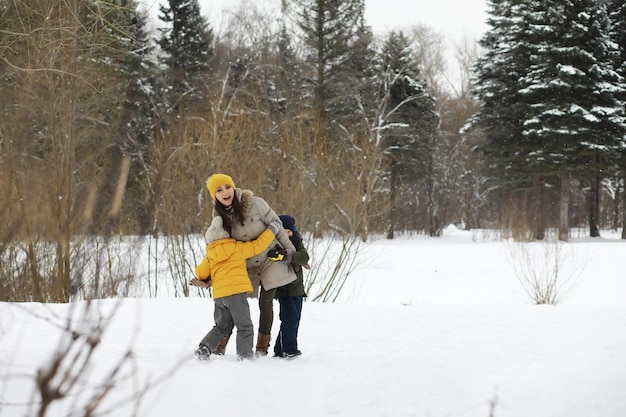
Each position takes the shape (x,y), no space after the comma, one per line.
(457,19)
(461,22)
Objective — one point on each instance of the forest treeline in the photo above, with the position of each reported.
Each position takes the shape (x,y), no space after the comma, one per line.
(109,127)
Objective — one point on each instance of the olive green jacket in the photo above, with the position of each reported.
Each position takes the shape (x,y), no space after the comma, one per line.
(299,258)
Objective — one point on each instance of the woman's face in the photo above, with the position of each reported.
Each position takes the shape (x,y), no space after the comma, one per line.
(225,194)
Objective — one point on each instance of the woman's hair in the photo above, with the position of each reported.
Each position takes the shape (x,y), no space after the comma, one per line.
(230,215)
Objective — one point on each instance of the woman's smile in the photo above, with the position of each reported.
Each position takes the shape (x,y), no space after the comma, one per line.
(225,194)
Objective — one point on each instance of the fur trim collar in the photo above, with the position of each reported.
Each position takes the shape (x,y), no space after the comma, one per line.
(245,197)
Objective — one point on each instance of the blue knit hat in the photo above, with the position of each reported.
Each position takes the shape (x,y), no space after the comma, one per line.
(288,222)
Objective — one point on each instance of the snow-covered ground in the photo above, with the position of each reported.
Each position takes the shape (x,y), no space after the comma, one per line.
(424,327)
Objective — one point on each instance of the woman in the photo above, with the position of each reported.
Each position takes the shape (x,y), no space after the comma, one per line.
(245,217)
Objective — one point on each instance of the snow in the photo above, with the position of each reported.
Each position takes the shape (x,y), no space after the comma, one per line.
(569,70)
(424,327)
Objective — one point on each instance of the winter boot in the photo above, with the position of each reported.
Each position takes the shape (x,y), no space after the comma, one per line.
(203,353)
(263,344)
(291,354)
(221,348)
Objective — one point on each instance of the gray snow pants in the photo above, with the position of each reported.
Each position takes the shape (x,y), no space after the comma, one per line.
(232,311)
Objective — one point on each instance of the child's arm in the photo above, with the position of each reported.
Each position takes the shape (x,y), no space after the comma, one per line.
(254,247)
(203,271)
(301,255)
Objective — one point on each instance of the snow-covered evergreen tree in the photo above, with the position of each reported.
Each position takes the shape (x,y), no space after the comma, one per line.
(187,44)
(288,92)
(354,84)
(506,149)
(550,94)
(576,120)
(139,108)
(408,126)
(330,30)
(496,85)
(141,70)
(617,16)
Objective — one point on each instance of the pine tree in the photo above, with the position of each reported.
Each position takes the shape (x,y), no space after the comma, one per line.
(496,86)
(617,15)
(141,70)
(288,92)
(136,127)
(130,118)
(575,119)
(355,83)
(549,93)
(330,29)
(510,167)
(409,125)
(187,44)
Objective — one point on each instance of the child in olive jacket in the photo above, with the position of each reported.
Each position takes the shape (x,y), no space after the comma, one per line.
(225,266)
(291,296)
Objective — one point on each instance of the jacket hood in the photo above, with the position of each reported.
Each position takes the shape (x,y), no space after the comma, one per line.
(221,250)
(216,231)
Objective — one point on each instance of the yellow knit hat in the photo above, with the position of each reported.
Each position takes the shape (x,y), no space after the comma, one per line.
(217,180)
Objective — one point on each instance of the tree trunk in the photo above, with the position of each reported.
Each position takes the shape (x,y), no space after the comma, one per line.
(363,227)
(624,201)
(616,202)
(392,197)
(538,218)
(564,208)
(594,204)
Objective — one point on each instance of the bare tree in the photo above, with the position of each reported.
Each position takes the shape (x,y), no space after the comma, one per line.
(62,97)
(67,379)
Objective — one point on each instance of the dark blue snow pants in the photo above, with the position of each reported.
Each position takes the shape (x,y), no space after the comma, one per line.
(290,313)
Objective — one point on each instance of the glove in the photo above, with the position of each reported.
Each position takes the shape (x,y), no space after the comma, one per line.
(200,283)
(275,226)
(279,254)
(276,254)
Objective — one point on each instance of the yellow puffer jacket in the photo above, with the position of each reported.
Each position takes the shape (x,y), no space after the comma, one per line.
(225,263)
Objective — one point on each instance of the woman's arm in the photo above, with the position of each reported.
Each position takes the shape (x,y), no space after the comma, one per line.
(268,215)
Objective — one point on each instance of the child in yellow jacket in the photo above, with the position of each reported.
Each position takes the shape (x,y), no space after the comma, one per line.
(225,265)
